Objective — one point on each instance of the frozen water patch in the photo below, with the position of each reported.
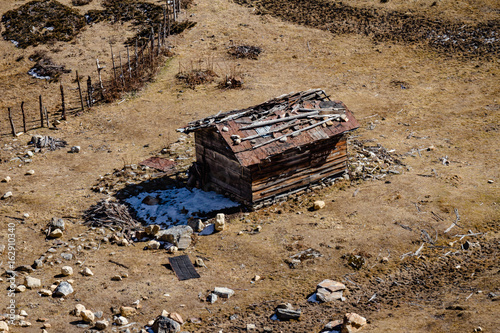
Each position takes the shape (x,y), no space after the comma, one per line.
(177,205)
(34,73)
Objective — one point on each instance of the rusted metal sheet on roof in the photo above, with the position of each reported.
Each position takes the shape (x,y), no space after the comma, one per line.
(159,163)
(278,125)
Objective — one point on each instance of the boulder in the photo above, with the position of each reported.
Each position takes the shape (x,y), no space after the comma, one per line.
(3,326)
(220,222)
(153,245)
(66,270)
(31,282)
(164,324)
(101,325)
(63,289)
(179,235)
(120,321)
(352,323)
(87,272)
(57,223)
(56,233)
(177,317)
(318,204)
(87,316)
(196,224)
(223,292)
(77,311)
(331,285)
(152,229)
(286,312)
(127,311)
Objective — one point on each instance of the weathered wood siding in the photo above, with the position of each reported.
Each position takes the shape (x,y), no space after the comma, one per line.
(298,168)
(222,171)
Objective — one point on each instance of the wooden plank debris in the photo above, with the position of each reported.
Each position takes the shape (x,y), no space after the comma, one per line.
(183,267)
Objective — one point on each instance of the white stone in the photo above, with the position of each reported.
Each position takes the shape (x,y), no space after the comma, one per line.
(101,324)
(223,292)
(7,195)
(20,288)
(87,316)
(45,292)
(23,313)
(57,233)
(66,270)
(31,282)
(3,326)
(6,179)
(318,204)
(75,149)
(120,321)
(30,172)
(153,245)
(220,222)
(87,272)
(79,308)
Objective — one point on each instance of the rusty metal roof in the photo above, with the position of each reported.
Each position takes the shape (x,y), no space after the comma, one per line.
(280,124)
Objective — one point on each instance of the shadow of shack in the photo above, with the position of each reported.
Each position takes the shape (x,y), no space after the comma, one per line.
(262,154)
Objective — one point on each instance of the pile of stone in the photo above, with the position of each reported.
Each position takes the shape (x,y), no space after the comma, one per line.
(55,228)
(328,291)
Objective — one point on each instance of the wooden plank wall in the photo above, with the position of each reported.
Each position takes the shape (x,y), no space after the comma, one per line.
(223,171)
(298,168)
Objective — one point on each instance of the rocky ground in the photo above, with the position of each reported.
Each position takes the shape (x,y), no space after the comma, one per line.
(408,241)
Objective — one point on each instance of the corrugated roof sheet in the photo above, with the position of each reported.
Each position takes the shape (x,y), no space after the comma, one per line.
(283,123)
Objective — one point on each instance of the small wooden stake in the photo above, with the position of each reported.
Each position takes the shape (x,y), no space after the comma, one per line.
(79,90)
(41,110)
(24,117)
(128,63)
(11,123)
(46,116)
(123,76)
(63,106)
(113,60)
(89,92)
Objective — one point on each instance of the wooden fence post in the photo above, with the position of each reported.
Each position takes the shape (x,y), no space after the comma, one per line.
(128,63)
(41,110)
(89,92)
(11,123)
(113,60)
(99,68)
(121,67)
(46,116)
(79,90)
(152,44)
(63,105)
(24,117)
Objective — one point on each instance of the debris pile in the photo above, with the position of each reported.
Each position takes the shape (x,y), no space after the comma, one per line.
(40,141)
(371,161)
(245,51)
(112,215)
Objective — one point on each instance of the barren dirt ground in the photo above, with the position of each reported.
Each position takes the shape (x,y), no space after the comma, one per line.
(450,104)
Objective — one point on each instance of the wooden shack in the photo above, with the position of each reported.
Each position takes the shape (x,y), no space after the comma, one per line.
(262,154)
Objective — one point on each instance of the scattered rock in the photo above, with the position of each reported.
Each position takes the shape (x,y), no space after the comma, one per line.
(223,292)
(179,236)
(199,262)
(25,268)
(57,223)
(177,317)
(196,224)
(31,282)
(63,289)
(319,205)
(220,222)
(75,149)
(101,325)
(251,327)
(152,229)
(45,292)
(2,248)
(30,172)
(23,313)
(116,278)
(20,288)
(7,195)
(212,298)
(6,179)
(66,270)
(56,233)
(67,256)
(87,316)
(164,324)
(87,272)
(120,321)
(352,323)
(286,312)
(127,311)
(153,245)
(77,311)
(151,201)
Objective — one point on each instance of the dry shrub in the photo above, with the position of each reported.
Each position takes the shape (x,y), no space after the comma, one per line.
(196,77)
(80,2)
(231,82)
(245,51)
